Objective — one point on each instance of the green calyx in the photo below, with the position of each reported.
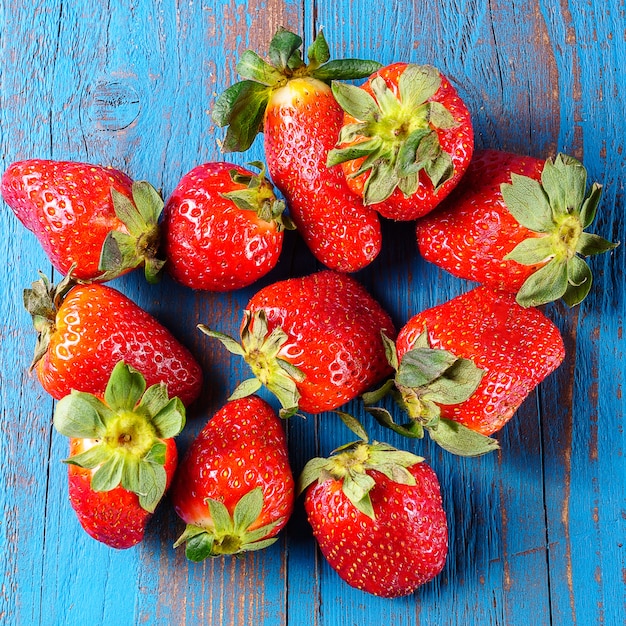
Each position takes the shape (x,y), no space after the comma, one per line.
(350,465)
(242,106)
(396,135)
(226,534)
(128,428)
(261,349)
(557,209)
(42,301)
(139,246)
(426,378)
(258,197)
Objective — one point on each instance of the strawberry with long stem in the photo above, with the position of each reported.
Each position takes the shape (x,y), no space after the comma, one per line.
(290,101)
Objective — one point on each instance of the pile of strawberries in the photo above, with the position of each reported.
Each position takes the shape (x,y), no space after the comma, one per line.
(399,147)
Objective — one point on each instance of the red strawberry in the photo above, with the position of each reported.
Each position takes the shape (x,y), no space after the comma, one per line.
(294,107)
(84,330)
(234,488)
(464,367)
(92,218)
(314,342)
(407,139)
(222,227)
(377,515)
(122,454)
(517,223)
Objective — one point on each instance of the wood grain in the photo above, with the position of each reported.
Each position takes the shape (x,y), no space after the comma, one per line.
(536,530)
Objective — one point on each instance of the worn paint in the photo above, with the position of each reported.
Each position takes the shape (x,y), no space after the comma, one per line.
(536,533)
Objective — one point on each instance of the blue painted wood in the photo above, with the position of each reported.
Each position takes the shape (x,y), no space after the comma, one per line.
(537,530)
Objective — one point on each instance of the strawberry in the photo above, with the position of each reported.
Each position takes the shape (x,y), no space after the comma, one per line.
(292,104)
(406,141)
(313,341)
(122,454)
(87,216)
(85,329)
(377,515)
(517,223)
(222,227)
(234,488)
(464,367)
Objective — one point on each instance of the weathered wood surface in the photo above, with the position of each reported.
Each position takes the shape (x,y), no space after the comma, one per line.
(536,530)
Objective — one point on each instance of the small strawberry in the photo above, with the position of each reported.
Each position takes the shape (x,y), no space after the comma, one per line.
(314,341)
(234,488)
(406,141)
(517,223)
(292,104)
(222,227)
(122,454)
(464,367)
(377,515)
(84,330)
(87,216)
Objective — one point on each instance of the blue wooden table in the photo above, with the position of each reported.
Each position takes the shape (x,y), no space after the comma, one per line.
(537,529)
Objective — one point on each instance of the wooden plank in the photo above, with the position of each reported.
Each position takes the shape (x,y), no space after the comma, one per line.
(537,530)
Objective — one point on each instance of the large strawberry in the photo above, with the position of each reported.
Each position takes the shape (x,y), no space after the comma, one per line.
(377,515)
(292,104)
(234,488)
(314,341)
(406,140)
(122,454)
(92,218)
(464,367)
(517,223)
(85,329)
(222,227)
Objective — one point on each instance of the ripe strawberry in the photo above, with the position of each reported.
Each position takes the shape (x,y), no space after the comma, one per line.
(314,341)
(517,223)
(464,367)
(222,227)
(406,140)
(292,104)
(91,217)
(122,454)
(84,330)
(377,515)
(234,488)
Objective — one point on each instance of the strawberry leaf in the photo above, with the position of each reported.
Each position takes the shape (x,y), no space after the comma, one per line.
(356,488)
(456,384)
(579,279)
(222,522)
(152,483)
(531,251)
(246,388)
(417,84)
(318,52)
(458,439)
(353,424)
(199,546)
(545,285)
(248,510)
(421,366)
(589,244)
(565,181)
(81,415)
(282,47)
(252,67)
(528,203)
(412,429)
(109,474)
(590,205)
(356,102)
(311,472)
(125,388)
(345,69)
(90,458)
(170,420)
